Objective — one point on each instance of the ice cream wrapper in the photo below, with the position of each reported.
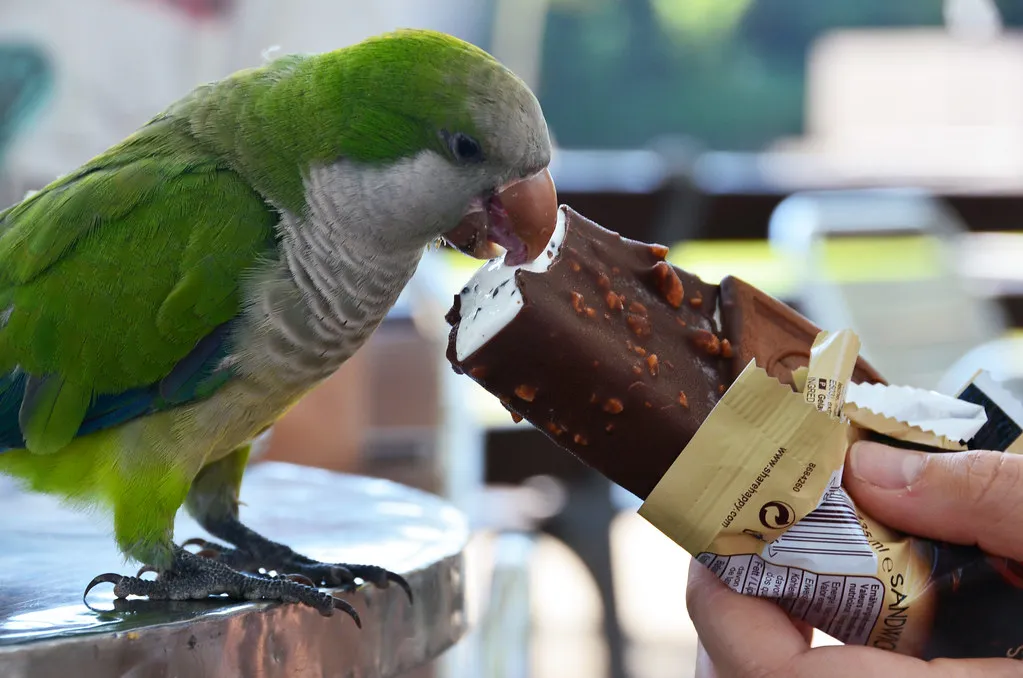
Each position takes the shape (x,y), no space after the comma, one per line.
(756,497)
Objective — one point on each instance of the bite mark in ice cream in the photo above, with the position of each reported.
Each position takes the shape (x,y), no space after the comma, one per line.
(492,298)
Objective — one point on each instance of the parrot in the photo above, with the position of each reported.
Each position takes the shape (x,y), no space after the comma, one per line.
(162,305)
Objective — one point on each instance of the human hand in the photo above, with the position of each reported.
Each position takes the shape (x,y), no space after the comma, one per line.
(965,497)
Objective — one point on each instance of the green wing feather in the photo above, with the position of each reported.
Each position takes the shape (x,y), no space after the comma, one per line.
(111,275)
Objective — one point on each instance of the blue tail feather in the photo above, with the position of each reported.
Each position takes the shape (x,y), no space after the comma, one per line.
(194,377)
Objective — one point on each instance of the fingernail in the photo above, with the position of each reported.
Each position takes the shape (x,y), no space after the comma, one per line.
(889,468)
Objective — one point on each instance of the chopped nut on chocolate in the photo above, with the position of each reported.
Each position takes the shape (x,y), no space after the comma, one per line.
(554,429)
(639,325)
(578,303)
(682,400)
(613,301)
(574,265)
(613,406)
(591,312)
(659,251)
(647,404)
(603,282)
(726,349)
(636,369)
(651,363)
(680,321)
(609,428)
(721,388)
(638,308)
(478,372)
(696,301)
(580,439)
(708,341)
(669,284)
(525,392)
(516,417)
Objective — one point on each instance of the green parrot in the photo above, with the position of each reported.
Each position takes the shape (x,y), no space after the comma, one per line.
(162,305)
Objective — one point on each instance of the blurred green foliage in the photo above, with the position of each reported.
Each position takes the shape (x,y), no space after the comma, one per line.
(728,73)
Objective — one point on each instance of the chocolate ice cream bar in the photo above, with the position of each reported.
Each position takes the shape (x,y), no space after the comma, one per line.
(620,358)
(609,349)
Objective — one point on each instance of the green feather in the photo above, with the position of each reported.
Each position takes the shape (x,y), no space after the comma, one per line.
(114,273)
(275,121)
(51,413)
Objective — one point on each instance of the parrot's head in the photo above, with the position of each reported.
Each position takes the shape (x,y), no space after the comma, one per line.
(460,146)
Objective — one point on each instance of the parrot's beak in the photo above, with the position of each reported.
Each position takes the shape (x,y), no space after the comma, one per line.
(519,217)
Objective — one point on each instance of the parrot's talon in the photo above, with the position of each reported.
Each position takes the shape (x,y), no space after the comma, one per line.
(205,547)
(298,578)
(254,553)
(107,578)
(346,607)
(209,554)
(193,577)
(400,581)
(146,568)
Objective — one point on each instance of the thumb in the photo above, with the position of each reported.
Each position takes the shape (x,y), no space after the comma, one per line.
(973,497)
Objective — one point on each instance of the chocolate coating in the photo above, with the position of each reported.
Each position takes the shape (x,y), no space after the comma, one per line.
(601,360)
(616,356)
(759,326)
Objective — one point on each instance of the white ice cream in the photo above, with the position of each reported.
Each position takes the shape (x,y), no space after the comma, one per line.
(491,299)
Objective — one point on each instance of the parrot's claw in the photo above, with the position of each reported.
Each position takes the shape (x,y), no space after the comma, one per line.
(380,577)
(142,571)
(297,578)
(258,554)
(204,545)
(194,577)
(343,576)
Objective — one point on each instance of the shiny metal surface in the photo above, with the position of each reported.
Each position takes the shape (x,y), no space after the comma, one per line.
(49,553)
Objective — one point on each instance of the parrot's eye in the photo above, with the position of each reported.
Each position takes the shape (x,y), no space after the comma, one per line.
(465,148)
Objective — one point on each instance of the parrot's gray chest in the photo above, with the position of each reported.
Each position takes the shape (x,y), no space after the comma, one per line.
(333,284)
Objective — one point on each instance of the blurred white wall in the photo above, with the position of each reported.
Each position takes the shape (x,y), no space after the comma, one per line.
(926,106)
(121,61)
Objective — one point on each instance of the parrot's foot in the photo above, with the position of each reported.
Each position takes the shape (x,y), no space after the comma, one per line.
(259,553)
(194,577)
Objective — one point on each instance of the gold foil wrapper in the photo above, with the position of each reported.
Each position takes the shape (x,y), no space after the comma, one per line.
(796,537)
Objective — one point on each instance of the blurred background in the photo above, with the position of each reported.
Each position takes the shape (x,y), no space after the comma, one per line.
(861,161)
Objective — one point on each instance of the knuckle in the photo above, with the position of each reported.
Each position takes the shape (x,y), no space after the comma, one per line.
(990,478)
(994,487)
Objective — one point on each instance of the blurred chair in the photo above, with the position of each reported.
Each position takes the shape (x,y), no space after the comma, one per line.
(885,262)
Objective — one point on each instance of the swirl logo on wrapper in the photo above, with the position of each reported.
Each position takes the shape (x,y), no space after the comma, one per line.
(775,450)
